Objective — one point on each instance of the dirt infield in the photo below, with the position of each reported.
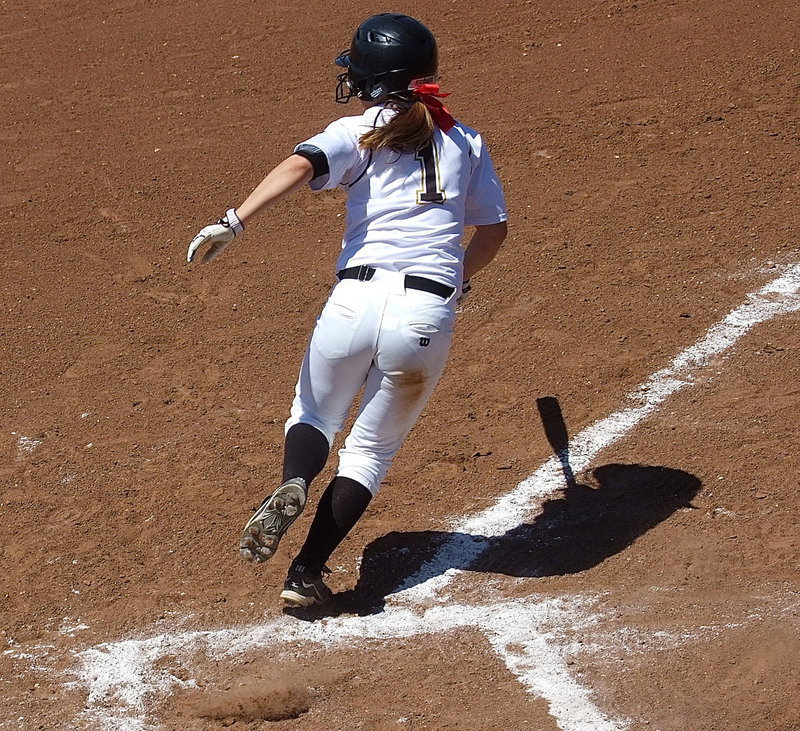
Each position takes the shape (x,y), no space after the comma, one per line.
(646,579)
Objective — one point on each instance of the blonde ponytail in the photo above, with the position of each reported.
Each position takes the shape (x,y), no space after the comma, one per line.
(407,131)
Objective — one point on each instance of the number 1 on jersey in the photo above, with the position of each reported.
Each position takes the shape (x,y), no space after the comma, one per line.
(431,192)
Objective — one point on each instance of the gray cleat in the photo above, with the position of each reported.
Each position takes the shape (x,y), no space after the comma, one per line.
(265,529)
(305,589)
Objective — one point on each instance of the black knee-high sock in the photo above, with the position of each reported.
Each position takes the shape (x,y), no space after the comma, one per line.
(341,505)
(305,452)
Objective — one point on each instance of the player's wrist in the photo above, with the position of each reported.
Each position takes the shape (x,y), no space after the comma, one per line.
(231,220)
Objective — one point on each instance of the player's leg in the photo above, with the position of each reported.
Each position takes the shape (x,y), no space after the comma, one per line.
(305,451)
(334,368)
(394,397)
(341,505)
(410,360)
(392,404)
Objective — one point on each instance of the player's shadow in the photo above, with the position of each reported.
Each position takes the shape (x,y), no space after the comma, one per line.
(585,523)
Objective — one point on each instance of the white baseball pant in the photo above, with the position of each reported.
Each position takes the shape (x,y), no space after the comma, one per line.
(392,341)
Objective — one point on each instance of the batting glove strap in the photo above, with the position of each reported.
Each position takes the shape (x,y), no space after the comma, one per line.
(231,220)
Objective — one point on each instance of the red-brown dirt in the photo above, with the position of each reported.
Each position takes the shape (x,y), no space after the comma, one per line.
(649,152)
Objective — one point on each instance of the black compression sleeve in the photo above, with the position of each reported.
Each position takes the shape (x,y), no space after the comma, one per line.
(341,505)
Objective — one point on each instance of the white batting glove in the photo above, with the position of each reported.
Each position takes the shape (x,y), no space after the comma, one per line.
(218,235)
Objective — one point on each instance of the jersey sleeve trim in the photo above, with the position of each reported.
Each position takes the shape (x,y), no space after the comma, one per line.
(338,142)
(317,158)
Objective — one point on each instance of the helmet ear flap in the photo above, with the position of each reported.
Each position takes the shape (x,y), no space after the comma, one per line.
(369,89)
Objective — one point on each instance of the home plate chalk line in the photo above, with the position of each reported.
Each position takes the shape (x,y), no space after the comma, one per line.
(121,677)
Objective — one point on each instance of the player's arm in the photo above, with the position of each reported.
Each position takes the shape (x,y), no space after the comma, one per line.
(483,247)
(293,173)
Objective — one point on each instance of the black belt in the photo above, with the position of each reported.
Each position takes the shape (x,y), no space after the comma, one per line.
(365,273)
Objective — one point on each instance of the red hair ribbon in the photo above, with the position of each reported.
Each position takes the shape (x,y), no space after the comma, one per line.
(429,95)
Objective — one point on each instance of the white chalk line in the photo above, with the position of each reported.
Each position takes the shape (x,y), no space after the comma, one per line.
(779,297)
(532,633)
(123,671)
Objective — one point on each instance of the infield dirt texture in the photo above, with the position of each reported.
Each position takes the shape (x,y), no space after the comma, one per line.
(647,580)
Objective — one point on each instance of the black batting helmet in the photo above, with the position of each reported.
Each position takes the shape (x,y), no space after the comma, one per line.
(388,52)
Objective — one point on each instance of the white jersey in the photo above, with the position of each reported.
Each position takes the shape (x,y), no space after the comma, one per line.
(407,211)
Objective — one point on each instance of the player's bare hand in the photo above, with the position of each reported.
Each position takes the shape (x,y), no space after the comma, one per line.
(217,237)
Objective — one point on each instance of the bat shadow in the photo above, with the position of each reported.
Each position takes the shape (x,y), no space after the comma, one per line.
(580,527)
(577,529)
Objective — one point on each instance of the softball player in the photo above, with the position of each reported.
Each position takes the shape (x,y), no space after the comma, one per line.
(414,178)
